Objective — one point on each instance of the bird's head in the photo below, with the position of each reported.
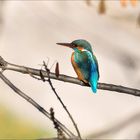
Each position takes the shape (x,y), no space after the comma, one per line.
(79,44)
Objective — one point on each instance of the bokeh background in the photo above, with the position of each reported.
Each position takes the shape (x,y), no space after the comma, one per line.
(29,31)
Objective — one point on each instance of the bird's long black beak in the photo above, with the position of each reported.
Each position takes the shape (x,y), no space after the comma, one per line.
(65,44)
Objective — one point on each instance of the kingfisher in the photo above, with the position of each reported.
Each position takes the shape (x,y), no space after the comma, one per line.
(84,62)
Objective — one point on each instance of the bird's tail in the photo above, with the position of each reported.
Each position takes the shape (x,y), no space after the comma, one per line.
(94,87)
(93,83)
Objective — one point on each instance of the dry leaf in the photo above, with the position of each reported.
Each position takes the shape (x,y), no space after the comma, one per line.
(57,70)
(88,2)
(102,7)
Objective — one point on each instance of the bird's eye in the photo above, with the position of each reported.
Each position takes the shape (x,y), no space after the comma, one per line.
(74,45)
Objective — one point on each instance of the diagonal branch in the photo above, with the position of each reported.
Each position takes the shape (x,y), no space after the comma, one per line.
(75,125)
(35,104)
(103,86)
(56,94)
(58,97)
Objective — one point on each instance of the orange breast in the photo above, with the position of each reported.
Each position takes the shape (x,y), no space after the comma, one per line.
(77,70)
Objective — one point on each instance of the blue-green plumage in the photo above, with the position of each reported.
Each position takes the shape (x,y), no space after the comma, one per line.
(87,63)
(84,62)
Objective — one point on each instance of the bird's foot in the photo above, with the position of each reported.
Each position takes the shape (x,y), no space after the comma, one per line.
(85,83)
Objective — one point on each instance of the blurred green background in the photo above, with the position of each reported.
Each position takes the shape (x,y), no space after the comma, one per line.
(14,127)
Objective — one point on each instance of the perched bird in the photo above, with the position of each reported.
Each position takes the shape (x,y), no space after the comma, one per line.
(84,62)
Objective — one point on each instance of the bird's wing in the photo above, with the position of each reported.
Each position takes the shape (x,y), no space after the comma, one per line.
(86,63)
(96,62)
(93,71)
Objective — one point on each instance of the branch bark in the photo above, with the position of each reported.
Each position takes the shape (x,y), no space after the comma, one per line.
(102,86)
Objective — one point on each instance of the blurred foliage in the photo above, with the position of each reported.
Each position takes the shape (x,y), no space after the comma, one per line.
(88,2)
(125,2)
(102,7)
(12,127)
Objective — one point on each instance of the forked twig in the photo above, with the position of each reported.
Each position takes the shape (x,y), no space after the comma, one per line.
(60,100)
(35,104)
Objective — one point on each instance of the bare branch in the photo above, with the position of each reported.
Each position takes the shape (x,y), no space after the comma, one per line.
(60,133)
(65,78)
(75,125)
(60,100)
(36,105)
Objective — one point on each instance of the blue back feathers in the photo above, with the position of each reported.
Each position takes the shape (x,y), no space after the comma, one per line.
(87,63)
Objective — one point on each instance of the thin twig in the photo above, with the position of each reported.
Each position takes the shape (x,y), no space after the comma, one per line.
(65,78)
(35,104)
(53,89)
(75,125)
(60,133)
(60,100)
